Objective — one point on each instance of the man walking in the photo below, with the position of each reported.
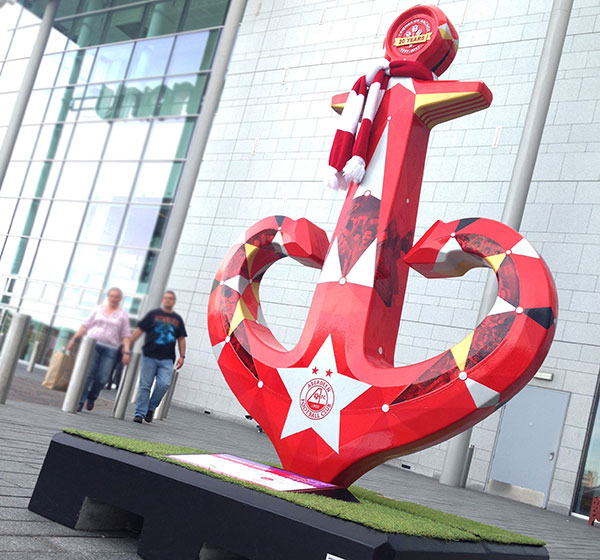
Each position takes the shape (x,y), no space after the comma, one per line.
(163,327)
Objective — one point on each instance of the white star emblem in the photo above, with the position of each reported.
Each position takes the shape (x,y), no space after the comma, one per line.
(319,393)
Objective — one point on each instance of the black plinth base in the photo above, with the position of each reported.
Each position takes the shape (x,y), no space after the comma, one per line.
(87,485)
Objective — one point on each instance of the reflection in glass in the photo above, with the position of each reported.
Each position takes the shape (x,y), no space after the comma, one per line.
(102,223)
(131,270)
(144,226)
(182,95)
(124,25)
(126,140)
(64,220)
(114,181)
(157,182)
(164,17)
(75,181)
(188,53)
(85,30)
(29,217)
(89,265)
(41,178)
(589,485)
(150,57)
(39,218)
(111,63)
(75,67)
(47,71)
(53,141)
(23,38)
(205,14)
(88,141)
(64,104)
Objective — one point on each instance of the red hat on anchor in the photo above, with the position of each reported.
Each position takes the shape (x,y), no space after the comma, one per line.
(422,34)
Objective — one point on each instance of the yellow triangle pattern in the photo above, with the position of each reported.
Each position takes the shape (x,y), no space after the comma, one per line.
(495,261)
(461,351)
(251,251)
(255,287)
(241,312)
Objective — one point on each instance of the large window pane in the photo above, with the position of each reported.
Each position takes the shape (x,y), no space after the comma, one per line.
(139,98)
(7,103)
(114,181)
(169,139)
(150,58)
(36,107)
(164,17)
(25,142)
(182,95)
(102,223)
(193,52)
(47,71)
(89,265)
(64,220)
(86,30)
(124,25)
(53,141)
(7,208)
(41,178)
(12,75)
(144,226)
(76,179)
(131,270)
(65,104)
(208,13)
(51,260)
(589,485)
(30,217)
(111,63)
(157,182)
(23,38)
(126,140)
(13,181)
(75,67)
(88,141)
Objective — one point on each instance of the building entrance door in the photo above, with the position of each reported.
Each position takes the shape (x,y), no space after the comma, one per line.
(527,445)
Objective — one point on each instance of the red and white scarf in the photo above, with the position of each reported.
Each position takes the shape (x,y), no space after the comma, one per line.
(347,159)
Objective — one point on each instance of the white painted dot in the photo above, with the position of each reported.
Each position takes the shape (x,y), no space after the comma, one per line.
(408,201)
(260,384)
(389,118)
(279,228)
(222,282)
(367,193)
(385,408)
(519,310)
(342,281)
(453,234)
(508,252)
(250,281)
(462,375)
(380,350)
(227,338)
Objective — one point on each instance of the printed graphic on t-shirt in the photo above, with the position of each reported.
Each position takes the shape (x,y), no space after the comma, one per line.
(164,332)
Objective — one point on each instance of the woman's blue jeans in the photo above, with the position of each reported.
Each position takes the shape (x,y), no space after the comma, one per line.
(152,368)
(99,370)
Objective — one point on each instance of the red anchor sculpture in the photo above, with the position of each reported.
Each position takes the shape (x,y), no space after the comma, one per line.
(335,405)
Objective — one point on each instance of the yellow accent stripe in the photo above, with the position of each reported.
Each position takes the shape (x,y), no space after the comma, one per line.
(255,287)
(461,351)
(456,114)
(241,312)
(495,261)
(251,251)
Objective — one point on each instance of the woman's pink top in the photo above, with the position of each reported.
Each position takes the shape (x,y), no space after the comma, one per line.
(108,329)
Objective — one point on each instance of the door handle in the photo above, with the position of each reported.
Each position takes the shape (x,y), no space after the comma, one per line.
(551,457)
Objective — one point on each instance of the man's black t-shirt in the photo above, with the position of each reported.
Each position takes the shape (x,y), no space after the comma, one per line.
(162,331)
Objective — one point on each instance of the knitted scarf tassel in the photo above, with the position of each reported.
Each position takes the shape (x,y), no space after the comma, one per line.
(348,153)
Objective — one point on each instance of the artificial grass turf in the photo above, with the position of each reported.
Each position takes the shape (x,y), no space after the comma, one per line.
(372,510)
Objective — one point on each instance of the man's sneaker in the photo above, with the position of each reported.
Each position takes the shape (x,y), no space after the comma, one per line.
(79,407)
(149,416)
(138,419)
(89,405)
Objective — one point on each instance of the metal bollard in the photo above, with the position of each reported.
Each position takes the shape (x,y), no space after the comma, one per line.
(126,386)
(11,351)
(136,386)
(80,369)
(163,408)
(33,357)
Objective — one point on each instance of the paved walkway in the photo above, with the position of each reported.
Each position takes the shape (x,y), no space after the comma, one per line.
(32,416)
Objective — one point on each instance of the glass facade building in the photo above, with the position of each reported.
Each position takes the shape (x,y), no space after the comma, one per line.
(94,172)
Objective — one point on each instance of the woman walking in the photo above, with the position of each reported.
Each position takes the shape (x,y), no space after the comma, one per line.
(109,325)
